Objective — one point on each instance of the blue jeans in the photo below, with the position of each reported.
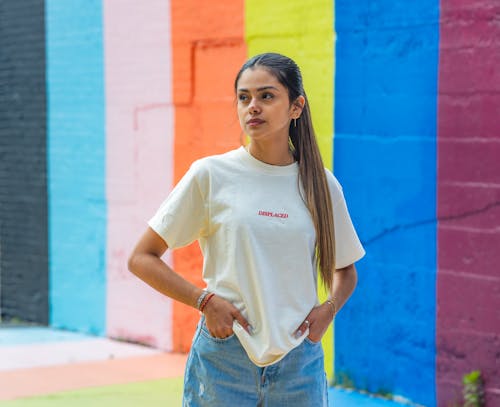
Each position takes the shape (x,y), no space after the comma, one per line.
(219,373)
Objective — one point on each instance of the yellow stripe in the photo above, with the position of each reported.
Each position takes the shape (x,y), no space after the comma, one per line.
(302,30)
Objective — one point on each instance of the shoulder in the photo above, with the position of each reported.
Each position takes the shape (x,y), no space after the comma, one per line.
(219,165)
(217,161)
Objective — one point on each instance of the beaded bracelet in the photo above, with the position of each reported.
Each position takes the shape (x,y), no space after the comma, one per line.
(201,298)
(205,301)
(331,301)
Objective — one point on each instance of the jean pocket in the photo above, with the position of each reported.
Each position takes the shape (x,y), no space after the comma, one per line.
(311,342)
(205,332)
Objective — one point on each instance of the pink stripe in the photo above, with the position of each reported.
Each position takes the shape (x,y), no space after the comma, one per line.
(139,126)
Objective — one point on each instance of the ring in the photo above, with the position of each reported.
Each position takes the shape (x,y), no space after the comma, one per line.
(306,322)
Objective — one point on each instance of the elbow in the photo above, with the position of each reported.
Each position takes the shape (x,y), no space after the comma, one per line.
(132,263)
(354,275)
(354,278)
(349,276)
(139,263)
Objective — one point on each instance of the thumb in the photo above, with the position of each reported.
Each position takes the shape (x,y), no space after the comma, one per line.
(242,321)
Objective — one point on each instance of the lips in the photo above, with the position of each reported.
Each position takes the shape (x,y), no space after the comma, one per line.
(254,122)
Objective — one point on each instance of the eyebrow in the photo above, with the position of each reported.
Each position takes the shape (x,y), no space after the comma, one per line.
(258,89)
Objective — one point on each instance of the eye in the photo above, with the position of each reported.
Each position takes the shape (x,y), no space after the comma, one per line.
(267,95)
(242,97)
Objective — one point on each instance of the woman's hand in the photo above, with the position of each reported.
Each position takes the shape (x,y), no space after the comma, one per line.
(321,316)
(219,317)
(317,321)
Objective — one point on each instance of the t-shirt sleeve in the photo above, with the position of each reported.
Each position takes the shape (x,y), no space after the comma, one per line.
(348,248)
(183,216)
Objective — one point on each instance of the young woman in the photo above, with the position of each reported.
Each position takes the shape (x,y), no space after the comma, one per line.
(267,217)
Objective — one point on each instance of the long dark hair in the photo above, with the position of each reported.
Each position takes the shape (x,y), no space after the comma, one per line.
(304,147)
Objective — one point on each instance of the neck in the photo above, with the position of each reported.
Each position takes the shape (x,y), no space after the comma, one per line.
(271,153)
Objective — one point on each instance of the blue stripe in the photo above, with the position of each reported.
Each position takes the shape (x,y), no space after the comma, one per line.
(76,161)
(385,158)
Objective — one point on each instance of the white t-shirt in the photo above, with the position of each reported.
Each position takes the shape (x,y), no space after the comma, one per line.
(258,243)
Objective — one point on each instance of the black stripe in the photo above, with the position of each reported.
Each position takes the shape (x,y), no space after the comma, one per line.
(23,166)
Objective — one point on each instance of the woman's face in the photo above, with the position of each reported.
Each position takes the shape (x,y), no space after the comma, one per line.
(264,109)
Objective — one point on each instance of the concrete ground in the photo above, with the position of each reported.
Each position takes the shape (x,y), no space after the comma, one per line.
(45,367)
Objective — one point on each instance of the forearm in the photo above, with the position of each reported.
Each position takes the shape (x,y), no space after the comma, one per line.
(344,283)
(154,272)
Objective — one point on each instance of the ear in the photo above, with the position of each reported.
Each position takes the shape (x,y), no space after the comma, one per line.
(297,107)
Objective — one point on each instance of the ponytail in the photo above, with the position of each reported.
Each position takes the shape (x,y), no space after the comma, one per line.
(316,193)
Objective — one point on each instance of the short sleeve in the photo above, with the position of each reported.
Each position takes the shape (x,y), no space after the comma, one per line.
(348,248)
(183,216)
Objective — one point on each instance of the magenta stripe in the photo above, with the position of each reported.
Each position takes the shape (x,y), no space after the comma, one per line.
(468,328)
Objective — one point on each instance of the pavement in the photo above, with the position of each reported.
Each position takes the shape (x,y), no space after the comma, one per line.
(40,366)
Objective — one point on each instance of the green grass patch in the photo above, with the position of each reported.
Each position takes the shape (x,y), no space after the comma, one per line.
(164,392)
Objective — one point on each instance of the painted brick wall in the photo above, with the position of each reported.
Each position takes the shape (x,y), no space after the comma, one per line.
(139,159)
(385,157)
(75,153)
(126,115)
(468,326)
(23,186)
(208,48)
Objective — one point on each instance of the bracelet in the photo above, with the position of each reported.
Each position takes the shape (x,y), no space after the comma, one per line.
(331,301)
(205,301)
(201,298)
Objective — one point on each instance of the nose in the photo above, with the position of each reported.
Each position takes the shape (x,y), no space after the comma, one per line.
(253,107)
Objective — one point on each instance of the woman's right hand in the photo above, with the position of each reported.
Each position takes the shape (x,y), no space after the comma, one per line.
(219,317)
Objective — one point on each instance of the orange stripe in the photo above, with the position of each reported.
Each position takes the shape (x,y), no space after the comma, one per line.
(208,48)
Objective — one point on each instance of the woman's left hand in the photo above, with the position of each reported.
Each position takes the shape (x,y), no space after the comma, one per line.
(317,321)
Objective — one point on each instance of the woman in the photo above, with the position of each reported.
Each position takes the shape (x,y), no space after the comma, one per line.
(264,216)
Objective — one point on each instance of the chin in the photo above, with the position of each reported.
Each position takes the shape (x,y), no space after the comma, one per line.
(255,135)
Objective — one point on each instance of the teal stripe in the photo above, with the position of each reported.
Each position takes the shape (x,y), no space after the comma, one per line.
(76,164)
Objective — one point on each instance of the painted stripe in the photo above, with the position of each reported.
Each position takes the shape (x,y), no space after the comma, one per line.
(23,335)
(468,332)
(76,152)
(305,34)
(208,50)
(139,159)
(23,182)
(385,158)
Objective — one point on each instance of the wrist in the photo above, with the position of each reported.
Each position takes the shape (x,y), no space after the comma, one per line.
(331,302)
(201,298)
(205,302)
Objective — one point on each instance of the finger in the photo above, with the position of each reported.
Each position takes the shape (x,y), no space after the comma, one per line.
(242,321)
(221,331)
(302,328)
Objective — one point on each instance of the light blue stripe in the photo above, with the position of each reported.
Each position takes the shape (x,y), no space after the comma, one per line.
(385,157)
(36,335)
(76,164)
(346,398)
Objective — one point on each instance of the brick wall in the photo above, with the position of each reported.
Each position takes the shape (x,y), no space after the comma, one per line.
(468,326)
(76,162)
(416,101)
(385,157)
(207,50)
(23,185)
